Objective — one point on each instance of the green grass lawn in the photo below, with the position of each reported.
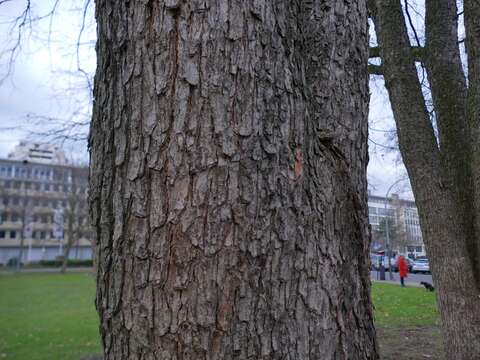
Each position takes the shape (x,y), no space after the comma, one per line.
(47,317)
(52,316)
(403,307)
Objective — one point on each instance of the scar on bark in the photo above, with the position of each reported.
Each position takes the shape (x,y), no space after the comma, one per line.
(298,163)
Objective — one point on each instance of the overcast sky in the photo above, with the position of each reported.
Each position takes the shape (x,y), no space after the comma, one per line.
(41,83)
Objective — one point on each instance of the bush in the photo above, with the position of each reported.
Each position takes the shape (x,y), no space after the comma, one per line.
(13,262)
(70,263)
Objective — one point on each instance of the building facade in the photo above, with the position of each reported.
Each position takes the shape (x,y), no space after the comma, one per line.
(41,203)
(37,152)
(403,223)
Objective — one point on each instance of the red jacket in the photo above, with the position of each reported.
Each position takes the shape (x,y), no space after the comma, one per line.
(402,267)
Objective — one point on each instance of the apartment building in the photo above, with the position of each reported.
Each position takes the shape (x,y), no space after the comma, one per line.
(38,201)
(38,152)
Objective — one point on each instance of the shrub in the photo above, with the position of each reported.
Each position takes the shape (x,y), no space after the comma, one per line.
(70,263)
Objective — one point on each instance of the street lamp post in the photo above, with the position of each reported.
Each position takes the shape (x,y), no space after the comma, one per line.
(387,233)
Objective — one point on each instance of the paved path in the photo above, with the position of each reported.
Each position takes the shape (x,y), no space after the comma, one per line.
(413,279)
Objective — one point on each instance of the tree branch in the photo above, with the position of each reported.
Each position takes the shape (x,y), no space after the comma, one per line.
(375,69)
(418,52)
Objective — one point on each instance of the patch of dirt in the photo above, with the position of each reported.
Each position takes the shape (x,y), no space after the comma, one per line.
(415,343)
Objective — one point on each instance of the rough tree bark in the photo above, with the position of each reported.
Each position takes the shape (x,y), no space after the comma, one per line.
(472,44)
(440,172)
(227,185)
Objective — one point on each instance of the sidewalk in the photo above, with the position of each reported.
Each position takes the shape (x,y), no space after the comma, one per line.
(407,283)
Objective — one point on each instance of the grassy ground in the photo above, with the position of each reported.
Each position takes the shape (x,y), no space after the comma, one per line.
(47,317)
(407,323)
(52,317)
(403,307)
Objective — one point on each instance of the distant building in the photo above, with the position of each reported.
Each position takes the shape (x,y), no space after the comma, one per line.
(42,153)
(404,215)
(34,199)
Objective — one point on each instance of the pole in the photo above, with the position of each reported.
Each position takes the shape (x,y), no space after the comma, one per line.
(387,237)
(387,232)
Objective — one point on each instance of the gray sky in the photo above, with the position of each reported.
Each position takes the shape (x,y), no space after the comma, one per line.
(41,83)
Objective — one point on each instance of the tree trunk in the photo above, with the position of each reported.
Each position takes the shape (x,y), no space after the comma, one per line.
(472,45)
(437,181)
(66,252)
(227,185)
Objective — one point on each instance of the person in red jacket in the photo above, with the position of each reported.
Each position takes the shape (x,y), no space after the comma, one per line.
(402,270)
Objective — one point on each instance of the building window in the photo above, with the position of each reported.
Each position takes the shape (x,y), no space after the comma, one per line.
(2,234)
(6,201)
(7,184)
(14,217)
(411,248)
(42,234)
(47,187)
(27,185)
(35,202)
(15,201)
(418,249)
(38,186)
(13,234)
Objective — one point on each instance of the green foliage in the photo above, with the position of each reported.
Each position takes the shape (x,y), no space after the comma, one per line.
(70,263)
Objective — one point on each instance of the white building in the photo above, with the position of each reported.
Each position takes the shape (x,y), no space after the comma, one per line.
(404,215)
(38,202)
(42,153)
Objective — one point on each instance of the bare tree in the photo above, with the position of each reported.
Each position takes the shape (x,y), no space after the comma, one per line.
(227,185)
(440,148)
(75,212)
(398,236)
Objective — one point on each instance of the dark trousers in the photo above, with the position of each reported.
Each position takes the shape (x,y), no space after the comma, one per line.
(402,281)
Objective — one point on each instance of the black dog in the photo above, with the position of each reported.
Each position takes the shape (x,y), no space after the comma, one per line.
(428,286)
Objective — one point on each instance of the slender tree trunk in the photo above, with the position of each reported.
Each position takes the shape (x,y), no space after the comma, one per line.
(22,237)
(227,185)
(70,214)
(66,252)
(436,179)
(20,251)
